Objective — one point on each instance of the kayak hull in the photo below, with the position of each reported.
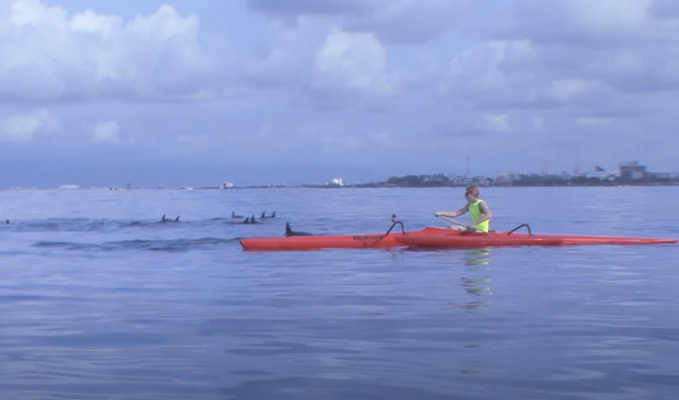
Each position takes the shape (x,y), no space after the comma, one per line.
(570,240)
(436,237)
(477,241)
(362,241)
(518,239)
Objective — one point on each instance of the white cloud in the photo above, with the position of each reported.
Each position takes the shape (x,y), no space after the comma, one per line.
(498,122)
(357,141)
(595,122)
(48,55)
(496,73)
(580,77)
(576,54)
(106,132)
(538,123)
(288,55)
(339,141)
(589,23)
(382,138)
(404,21)
(327,68)
(352,61)
(196,139)
(569,89)
(24,127)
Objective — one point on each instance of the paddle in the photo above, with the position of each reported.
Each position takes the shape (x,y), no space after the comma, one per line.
(452,221)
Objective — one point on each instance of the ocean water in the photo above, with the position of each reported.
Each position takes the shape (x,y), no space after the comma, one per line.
(100,300)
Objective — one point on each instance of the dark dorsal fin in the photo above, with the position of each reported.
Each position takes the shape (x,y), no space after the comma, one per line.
(288,231)
(177,220)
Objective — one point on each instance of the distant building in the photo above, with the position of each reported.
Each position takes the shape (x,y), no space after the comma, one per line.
(632,171)
(227,185)
(337,182)
(438,179)
(602,174)
(506,179)
(485,181)
(661,176)
(463,181)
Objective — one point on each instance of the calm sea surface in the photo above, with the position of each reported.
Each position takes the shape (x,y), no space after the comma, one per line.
(99,300)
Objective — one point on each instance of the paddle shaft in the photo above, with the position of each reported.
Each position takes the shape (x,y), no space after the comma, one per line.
(452,221)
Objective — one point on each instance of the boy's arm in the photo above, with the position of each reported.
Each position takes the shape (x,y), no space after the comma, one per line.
(483,207)
(453,214)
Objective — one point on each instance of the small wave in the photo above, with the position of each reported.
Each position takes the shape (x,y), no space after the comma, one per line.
(174,245)
(104,225)
(72,225)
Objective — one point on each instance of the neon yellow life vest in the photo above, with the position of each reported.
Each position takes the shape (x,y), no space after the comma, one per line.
(475,213)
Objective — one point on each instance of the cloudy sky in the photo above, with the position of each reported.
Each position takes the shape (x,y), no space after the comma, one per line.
(100,92)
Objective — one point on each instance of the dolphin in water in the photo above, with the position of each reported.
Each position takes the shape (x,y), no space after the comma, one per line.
(289,232)
(249,221)
(169,220)
(264,216)
(246,221)
(233,216)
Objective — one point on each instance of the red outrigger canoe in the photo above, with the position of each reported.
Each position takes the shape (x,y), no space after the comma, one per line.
(374,240)
(437,237)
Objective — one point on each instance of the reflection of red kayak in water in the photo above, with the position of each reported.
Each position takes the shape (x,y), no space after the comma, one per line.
(433,237)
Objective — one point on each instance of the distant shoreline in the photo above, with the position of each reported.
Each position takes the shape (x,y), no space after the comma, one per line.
(345,187)
(436,187)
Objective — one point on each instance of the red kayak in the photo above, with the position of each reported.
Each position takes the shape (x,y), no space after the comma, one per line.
(434,237)
(362,241)
(495,239)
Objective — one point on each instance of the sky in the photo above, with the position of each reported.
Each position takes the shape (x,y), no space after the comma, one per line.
(200,92)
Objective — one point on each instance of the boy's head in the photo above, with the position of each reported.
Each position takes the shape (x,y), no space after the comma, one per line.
(471,193)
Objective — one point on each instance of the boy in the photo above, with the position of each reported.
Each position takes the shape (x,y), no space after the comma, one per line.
(478,211)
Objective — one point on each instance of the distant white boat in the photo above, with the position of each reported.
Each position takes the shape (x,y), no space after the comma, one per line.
(68,187)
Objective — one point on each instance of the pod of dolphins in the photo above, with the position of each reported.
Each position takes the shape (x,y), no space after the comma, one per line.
(247,221)
(252,219)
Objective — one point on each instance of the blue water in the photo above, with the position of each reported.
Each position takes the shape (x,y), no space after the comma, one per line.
(98,300)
